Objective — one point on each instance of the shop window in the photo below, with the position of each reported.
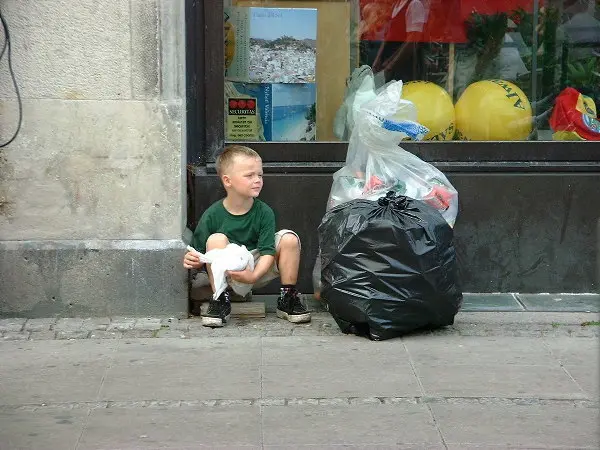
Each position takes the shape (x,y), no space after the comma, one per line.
(479,70)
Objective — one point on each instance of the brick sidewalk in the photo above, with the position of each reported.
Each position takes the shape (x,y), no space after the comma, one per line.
(467,324)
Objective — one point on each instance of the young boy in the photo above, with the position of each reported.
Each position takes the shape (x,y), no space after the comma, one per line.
(243,219)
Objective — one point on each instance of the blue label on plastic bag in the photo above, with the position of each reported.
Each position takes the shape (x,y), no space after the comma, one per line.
(412,129)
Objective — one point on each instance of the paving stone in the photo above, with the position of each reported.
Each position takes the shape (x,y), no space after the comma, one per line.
(39,324)
(164,404)
(302,401)
(147,324)
(305,330)
(168,321)
(201,332)
(364,426)
(277,333)
(174,369)
(490,302)
(42,335)
(561,302)
(197,403)
(15,324)
(139,333)
(88,405)
(455,350)
(282,373)
(168,333)
(184,324)
(175,428)
(96,323)
(15,336)
(101,334)
(500,426)
(272,401)
(68,324)
(498,380)
(366,401)
(196,326)
(400,400)
(81,334)
(228,331)
(242,402)
(333,401)
(128,404)
(41,429)
(121,325)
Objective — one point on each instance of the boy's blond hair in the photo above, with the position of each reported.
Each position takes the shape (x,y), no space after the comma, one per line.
(225,159)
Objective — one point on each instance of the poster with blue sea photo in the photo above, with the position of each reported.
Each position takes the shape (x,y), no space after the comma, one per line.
(294,112)
(287,111)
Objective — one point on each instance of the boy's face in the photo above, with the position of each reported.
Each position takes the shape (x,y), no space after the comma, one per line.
(245,176)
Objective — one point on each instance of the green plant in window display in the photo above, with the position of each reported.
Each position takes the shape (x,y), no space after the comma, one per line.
(548,58)
(584,74)
(485,34)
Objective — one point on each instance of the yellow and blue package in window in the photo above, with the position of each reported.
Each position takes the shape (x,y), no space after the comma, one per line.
(493,110)
(435,109)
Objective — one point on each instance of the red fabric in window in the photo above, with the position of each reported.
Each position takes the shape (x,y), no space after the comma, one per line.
(386,20)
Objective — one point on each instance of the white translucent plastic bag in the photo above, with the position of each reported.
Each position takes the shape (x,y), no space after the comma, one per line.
(375,164)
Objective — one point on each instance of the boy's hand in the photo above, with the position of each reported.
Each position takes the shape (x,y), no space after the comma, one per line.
(192,261)
(243,276)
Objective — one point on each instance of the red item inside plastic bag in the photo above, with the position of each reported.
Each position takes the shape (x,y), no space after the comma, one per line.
(439,198)
(574,117)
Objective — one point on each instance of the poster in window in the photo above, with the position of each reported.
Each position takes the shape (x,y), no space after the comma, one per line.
(242,120)
(270,45)
(283,111)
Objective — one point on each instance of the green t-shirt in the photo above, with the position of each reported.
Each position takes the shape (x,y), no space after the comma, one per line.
(255,229)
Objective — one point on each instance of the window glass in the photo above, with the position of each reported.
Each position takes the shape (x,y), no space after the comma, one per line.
(481,70)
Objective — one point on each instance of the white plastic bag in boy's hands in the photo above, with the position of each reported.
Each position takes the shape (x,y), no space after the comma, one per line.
(231,258)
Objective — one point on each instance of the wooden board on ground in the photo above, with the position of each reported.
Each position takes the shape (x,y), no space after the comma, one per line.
(244,310)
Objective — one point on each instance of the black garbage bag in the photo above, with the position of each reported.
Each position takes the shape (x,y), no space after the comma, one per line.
(388,267)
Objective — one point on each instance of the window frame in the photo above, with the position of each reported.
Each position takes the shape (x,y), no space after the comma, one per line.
(206,128)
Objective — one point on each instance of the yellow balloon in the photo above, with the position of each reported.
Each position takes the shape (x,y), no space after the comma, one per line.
(435,109)
(493,110)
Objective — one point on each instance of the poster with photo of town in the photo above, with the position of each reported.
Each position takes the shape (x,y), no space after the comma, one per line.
(287,112)
(270,45)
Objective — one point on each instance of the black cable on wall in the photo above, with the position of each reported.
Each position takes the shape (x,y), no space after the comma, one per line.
(7,49)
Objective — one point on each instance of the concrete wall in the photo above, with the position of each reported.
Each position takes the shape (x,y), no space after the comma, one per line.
(92,192)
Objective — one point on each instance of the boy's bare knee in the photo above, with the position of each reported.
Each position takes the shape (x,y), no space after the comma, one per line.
(217,240)
(289,241)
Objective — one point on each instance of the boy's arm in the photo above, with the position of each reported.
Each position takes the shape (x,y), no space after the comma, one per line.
(201,235)
(263,265)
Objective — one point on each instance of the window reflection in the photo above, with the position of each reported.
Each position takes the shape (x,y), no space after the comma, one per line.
(476,69)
